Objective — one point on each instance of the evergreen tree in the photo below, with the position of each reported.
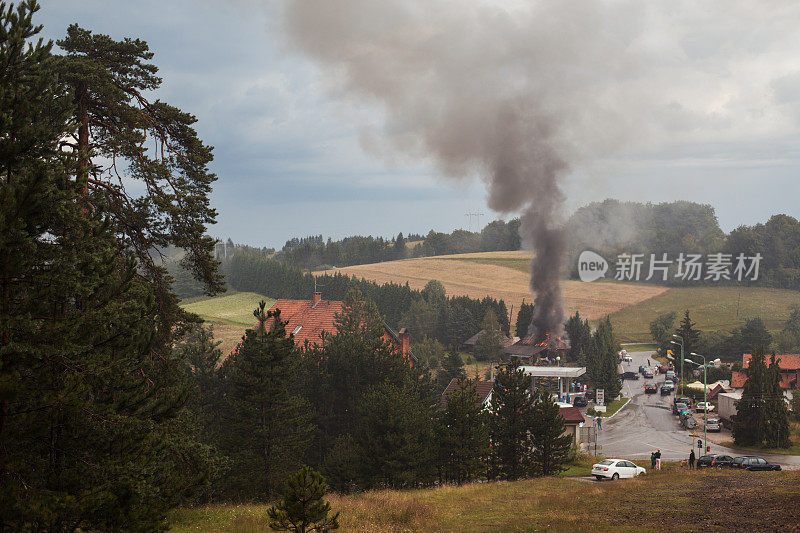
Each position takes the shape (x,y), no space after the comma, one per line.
(580,337)
(302,508)
(603,361)
(524,319)
(690,336)
(661,329)
(750,421)
(394,437)
(776,413)
(115,124)
(452,368)
(264,423)
(489,345)
(399,250)
(510,425)
(551,447)
(463,435)
(90,388)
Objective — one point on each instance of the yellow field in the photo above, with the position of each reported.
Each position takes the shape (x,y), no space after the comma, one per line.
(497,274)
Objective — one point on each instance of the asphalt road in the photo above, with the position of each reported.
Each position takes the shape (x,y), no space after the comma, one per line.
(646,424)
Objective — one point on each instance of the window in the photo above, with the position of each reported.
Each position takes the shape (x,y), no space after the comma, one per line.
(606,462)
(761,461)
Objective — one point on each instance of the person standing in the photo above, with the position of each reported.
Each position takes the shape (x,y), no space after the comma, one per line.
(599,423)
(658,459)
(691,459)
(652,460)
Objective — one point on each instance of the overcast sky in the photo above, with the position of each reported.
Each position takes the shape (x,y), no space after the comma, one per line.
(291,161)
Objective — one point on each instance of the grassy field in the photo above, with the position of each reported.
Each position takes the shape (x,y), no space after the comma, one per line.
(713,308)
(488,274)
(229,314)
(671,499)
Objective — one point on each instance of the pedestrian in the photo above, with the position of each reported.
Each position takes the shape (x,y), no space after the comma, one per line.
(658,459)
(652,460)
(691,459)
(599,423)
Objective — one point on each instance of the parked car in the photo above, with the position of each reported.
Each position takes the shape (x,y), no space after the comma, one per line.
(648,374)
(689,422)
(704,407)
(714,460)
(580,401)
(671,375)
(678,408)
(615,469)
(630,375)
(627,358)
(667,388)
(713,424)
(751,462)
(650,388)
(662,369)
(682,399)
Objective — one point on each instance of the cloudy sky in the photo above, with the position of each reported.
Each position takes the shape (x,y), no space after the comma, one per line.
(683,104)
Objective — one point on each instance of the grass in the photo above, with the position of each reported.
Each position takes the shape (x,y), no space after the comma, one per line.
(794,449)
(611,408)
(229,315)
(639,347)
(712,308)
(499,275)
(675,498)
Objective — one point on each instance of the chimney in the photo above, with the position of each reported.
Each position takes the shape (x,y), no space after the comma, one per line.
(405,341)
(316,299)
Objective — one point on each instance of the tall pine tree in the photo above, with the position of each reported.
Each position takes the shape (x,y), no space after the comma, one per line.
(551,447)
(750,421)
(463,435)
(510,425)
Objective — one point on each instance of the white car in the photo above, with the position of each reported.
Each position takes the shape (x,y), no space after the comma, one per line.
(704,407)
(615,469)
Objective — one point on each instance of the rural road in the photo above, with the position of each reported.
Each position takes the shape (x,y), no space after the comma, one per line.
(647,424)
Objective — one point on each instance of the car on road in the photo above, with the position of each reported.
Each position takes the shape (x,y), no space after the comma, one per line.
(627,358)
(580,401)
(648,374)
(704,407)
(650,388)
(667,388)
(682,399)
(678,408)
(630,375)
(713,424)
(671,375)
(615,469)
(714,460)
(751,462)
(662,369)
(689,422)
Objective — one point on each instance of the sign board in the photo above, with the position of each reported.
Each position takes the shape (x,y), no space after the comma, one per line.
(600,408)
(600,397)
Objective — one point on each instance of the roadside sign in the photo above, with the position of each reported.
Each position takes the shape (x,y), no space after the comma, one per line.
(600,397)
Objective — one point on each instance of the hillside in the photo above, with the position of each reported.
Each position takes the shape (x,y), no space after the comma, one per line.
(501,275)
(682,500)
(229,314)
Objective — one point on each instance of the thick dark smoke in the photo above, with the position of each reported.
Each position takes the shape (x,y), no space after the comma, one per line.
(518,92)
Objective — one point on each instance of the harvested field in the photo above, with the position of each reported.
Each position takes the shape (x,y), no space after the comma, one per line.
(483,274)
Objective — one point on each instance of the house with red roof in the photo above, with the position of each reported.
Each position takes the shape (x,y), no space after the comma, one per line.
(790,371)
(308,320)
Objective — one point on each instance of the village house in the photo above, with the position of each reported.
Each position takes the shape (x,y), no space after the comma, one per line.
(789,365)
(307,320)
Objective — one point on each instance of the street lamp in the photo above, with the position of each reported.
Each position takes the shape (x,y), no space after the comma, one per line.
(681,345)
(705,394)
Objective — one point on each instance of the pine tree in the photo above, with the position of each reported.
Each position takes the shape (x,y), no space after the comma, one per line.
(264,422)
(551,447)
(510,425)
(121,137)
(603,361)
(689,334)
(489,345)
(452,368)
(776,414)
(89,385)
(580,337)
(463,435)
(750,421)
(302,508)
(524,319)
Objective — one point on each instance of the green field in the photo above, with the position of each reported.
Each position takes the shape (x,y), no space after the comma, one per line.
(235,309)
(712,308)
(671,499)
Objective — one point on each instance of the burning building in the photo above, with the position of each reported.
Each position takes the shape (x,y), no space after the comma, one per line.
(531,350)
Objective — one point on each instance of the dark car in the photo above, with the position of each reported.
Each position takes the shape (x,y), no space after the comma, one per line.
(630,375)
(751,462)
(580,401)
(650,388)
(714,460)
(677,408)
(682,399)
(648,374)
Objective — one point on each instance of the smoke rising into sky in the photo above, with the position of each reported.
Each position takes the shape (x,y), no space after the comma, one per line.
(519,93)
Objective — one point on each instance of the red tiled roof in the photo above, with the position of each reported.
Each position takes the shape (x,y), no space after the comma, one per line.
(789,380)
(307,320)
(785,362)
(738,379)
(483,388)
(572,415)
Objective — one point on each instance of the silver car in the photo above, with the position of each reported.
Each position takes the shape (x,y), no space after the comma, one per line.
(712,424)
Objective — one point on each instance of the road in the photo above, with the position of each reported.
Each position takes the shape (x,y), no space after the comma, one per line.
(646,424)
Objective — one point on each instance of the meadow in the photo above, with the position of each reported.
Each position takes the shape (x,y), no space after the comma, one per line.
(680,500)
